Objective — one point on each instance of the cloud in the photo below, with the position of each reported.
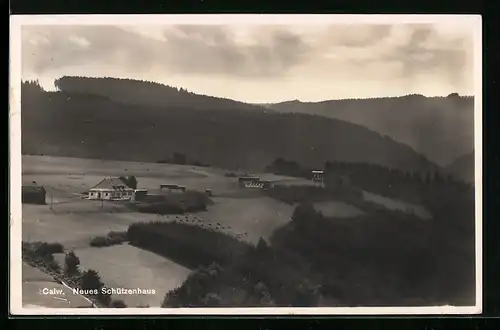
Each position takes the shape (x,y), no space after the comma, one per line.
(427,50)
(402,55)
(186,49)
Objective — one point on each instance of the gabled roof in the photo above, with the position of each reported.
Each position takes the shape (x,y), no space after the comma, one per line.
(111,184)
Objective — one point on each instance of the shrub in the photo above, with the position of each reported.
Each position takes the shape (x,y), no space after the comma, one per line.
(90,280)
(113,238)
(99,241)
(117,304)
(41,251)
(54,266)
(211,300)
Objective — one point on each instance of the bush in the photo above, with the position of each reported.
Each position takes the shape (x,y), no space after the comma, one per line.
(90,280)
(211,300)
(187,244)
(54,266)
(41,251)
(43,248)
(113,238)
(99,241)
(117,304)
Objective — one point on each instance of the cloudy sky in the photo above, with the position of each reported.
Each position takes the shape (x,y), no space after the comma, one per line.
(261,63)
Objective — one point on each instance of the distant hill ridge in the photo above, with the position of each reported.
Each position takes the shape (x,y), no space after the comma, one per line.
(463,168)
(138,92)
(74,122)
(441,128)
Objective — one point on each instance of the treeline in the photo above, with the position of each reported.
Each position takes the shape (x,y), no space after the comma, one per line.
(190,245)
(149,93)
(204,288)
(384,258)
(420,188)
(229,272)
(179,158)
(441,128)
(282,166)
(69,124)
(412,186)
(381,259)
(178,203)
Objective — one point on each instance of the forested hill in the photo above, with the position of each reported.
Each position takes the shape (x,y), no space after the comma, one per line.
(92,126)
(441,128)
(463,168)
(136,92)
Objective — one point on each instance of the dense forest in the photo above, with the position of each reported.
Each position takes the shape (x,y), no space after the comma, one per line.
(147,93)
(380,258)
(92,124)
(441,128)
(463,167)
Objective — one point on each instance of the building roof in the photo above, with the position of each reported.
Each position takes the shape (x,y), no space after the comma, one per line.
(112,183)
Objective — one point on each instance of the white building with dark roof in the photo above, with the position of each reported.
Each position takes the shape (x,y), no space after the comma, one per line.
(111,189)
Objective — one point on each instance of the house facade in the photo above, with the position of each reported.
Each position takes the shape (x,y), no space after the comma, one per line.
(111,189)
(246,181)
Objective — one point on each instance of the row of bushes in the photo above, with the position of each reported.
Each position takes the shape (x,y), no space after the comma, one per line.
(190,201)
(243,268)
(41,255)
(190,245)
(113,238)
(205,288)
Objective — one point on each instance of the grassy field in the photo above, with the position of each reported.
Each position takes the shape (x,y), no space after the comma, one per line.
(72,221)
(125,266)
(337,209)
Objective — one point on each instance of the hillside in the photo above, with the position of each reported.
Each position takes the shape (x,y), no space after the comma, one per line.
(89,126)
(441,128)
(463,167)
(146,93)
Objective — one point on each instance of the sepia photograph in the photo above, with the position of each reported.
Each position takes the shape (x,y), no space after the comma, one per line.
(245,164)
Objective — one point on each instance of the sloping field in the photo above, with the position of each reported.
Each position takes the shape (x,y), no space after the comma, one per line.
(72,229)
(78,175)
(248,218)
(397,205)
(337,209)
(72,221)
(41,291)
(125,266)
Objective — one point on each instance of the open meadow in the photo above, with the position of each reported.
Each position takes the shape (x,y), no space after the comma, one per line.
(68,219)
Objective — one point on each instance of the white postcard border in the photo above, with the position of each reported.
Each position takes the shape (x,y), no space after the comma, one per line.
(15,224)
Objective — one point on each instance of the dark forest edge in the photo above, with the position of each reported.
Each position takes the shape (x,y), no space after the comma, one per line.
(382,258)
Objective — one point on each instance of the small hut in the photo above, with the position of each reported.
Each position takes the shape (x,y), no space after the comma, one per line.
(33,195)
